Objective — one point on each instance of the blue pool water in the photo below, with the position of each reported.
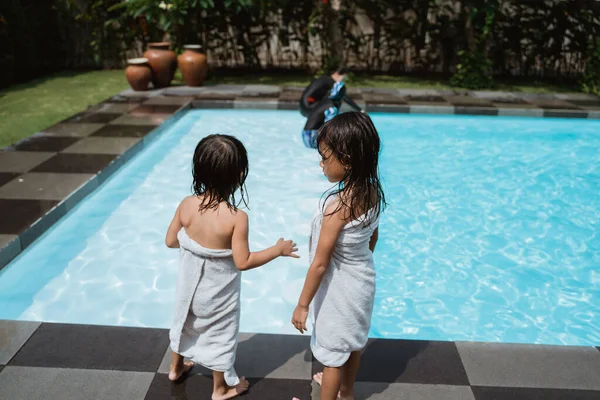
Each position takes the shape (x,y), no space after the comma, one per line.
(491,231)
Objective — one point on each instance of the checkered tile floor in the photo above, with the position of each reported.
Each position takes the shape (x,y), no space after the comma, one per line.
(59,361)
(44,176)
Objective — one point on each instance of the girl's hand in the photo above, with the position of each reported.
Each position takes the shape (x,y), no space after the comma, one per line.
(299,318)
(287,248)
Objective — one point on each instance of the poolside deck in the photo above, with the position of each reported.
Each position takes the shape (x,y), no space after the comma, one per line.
(46,175)
(58,361)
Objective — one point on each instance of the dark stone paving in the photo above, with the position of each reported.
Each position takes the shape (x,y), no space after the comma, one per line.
(64,361)
(18,214)
(55,168)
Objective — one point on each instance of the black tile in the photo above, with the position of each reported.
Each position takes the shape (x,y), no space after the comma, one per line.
(6,177)
(426,98)
(154,109)
(256,95)
(507,393)
(215,96)
(287,105)
(75,163)
(200,387)
(256,100)
(586,103)
(291,96)
(115,130)
(17,214)
(468,110)
(192,387)
(277,389)
(355,94)
(45,143)
(556,105)
(381,98)
(98,118)
(410,361)
(565,114)
(94,347)
(274,351)
(469,103)
(212,104)
(508,100)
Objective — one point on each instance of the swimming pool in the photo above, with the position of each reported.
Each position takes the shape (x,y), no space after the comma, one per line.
(490,234)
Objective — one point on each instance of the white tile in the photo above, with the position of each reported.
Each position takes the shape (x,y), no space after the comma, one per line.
(13,335)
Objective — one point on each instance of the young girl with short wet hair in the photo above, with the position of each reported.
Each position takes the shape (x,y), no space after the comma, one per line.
(212,234)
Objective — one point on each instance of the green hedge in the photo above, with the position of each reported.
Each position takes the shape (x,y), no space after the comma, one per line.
(473,40)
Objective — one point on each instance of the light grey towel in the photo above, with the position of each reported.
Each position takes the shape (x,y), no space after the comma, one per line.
(207,308)
(343,304)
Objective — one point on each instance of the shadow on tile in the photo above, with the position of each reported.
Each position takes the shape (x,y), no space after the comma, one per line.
(281,357)
(372,363)
(386,362)
(200,387)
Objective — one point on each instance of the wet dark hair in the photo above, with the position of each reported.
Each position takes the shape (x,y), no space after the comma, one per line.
(353,139)
(340,70)
(220,168)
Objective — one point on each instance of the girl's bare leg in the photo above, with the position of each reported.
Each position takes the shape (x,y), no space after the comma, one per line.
(349,372)
(348,376)
(330,385)
(178,366)
(222,391)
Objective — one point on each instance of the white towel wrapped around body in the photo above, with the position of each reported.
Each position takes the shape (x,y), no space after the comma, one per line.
(343,304)
(207,307)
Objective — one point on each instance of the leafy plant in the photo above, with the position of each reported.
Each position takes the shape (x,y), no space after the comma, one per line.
(591,77)
(475,69)
(471,38)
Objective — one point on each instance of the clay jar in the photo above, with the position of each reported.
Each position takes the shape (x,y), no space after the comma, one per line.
(163,63)
(192,64)
(138,73)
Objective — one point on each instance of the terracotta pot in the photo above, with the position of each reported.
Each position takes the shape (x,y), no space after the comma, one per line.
(138,73)
(192,64)
(163,63)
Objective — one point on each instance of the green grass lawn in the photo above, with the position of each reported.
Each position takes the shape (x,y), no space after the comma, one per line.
(30,107)
(392,82)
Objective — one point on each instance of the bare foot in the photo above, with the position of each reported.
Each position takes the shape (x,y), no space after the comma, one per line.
(318,377)
(229,392)
(175,374)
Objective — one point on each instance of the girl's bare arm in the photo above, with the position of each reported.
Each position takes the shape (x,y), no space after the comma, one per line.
(174,228)
(330,231)
(244,259)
